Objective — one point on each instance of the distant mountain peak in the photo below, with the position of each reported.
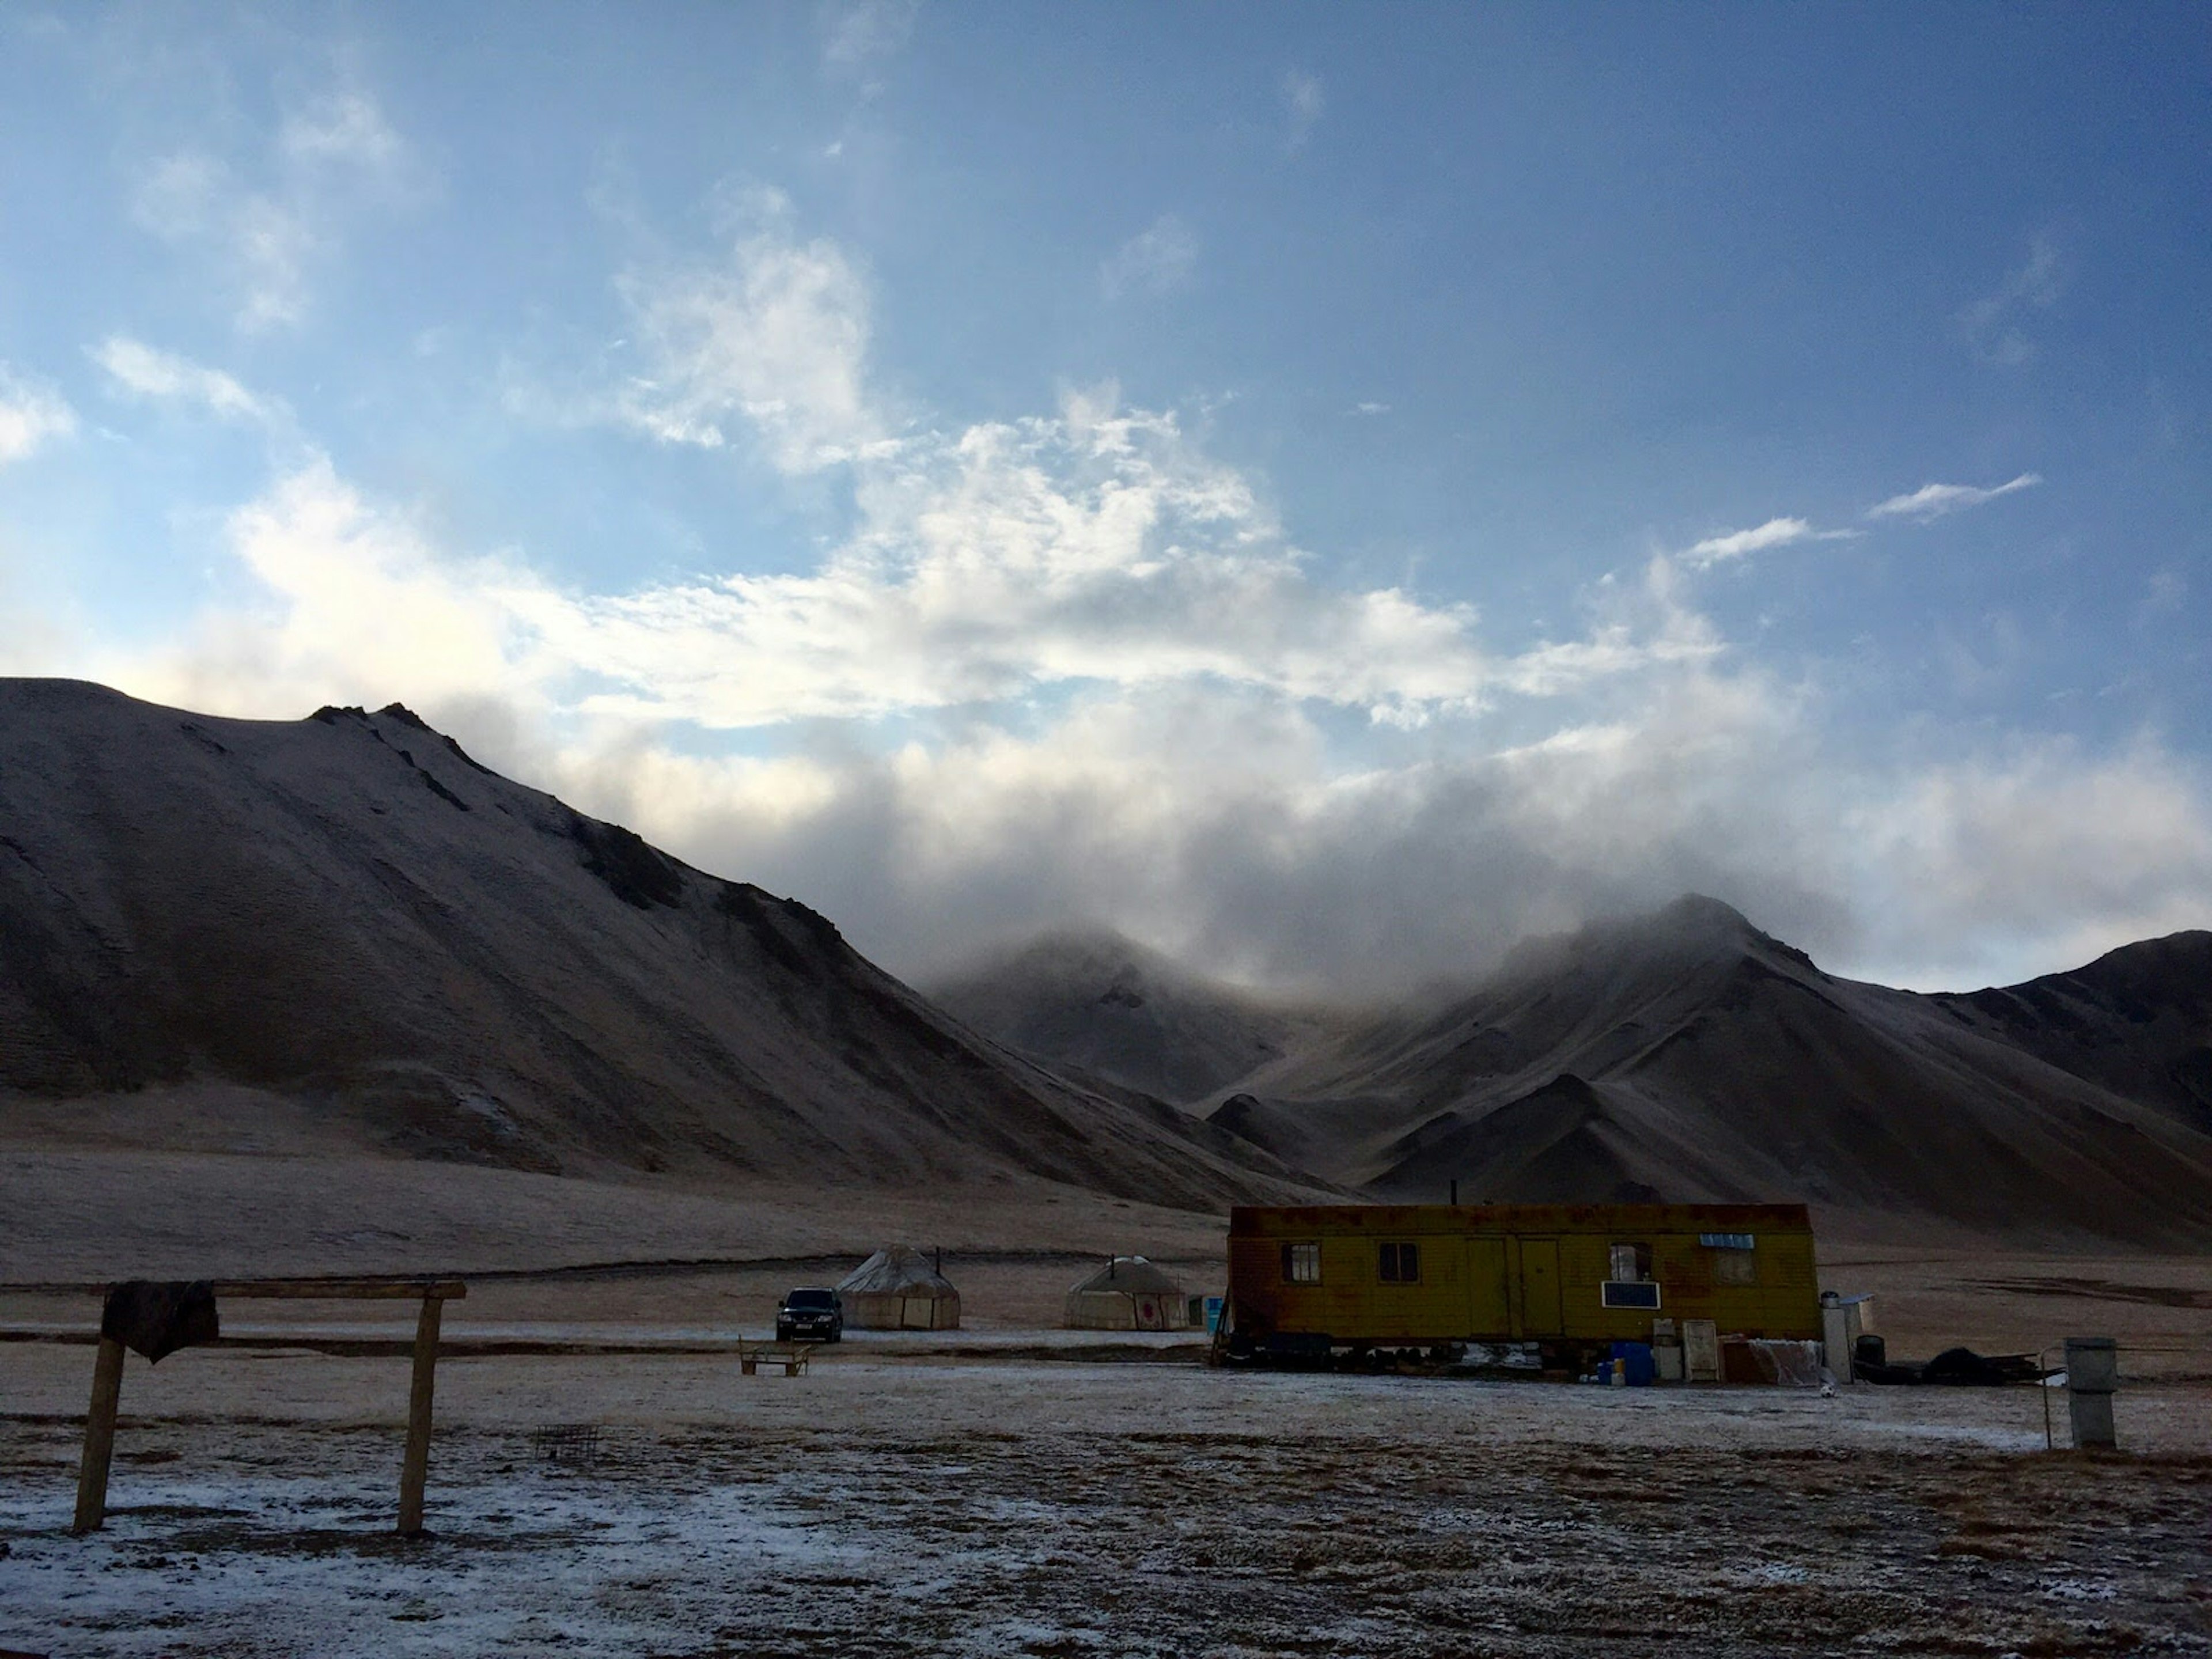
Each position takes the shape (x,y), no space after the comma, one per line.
(1694,931)
(1092,999)
(1090,947)
(1704,911)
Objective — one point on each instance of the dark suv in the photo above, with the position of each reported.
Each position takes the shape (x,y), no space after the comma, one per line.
(809,1317)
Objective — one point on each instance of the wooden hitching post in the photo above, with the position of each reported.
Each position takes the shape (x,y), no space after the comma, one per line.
(416,1469)
(99,1436)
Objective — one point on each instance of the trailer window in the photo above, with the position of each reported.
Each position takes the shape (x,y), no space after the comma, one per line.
(1735,1264)
(1301,1264)
(1631,1263)
(1400,1264)
(1628,1293)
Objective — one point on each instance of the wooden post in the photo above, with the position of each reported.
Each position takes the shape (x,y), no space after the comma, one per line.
(415,1470)
(99,1436)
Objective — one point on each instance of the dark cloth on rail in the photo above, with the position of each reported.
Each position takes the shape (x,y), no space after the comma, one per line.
(156,1317)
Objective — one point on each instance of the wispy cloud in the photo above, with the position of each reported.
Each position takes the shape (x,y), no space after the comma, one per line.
(2164,593)
(1095,547)
(774,336)
(267,225)
(1304,102)
(1741,543)
(857,37)
(1934,499)
(1369,408)
(1157,260)
(1093,552)
(32,415)
(143,371)
(1995,325)
(341,128)
(1092,547)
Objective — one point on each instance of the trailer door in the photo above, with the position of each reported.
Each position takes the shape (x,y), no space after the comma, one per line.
(1539,1287)
(1488,1316)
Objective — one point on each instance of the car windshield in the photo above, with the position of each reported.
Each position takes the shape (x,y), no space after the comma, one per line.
(812,1300)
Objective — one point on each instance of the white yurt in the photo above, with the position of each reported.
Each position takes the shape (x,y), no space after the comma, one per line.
(898,1290)
(1128,1294)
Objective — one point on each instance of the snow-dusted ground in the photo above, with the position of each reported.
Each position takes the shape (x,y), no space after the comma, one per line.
(896,1503)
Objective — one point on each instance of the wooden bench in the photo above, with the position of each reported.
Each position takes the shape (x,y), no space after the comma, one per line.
(792,1356)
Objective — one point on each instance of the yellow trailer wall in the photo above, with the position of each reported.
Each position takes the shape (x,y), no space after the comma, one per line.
(1504,1272)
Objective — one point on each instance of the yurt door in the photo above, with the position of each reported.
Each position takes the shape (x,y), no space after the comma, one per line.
(1151,1316)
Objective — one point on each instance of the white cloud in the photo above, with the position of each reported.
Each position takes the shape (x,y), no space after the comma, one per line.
(266,235)
(859,36)
(776,334)
(1995,325)
(1369,408)
(1011,557)
(1157,260)
(1186,787)
(2046,849)
(1759,538)
(143,371)
(1304,102)
(263,244)
(1736,544)
(357,605)
(2163,592)
(32,415)
(342,128)
(1741,543)
(1934,499)
(1070,667)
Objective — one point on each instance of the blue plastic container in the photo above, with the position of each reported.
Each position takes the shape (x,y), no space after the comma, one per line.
(1638,1364)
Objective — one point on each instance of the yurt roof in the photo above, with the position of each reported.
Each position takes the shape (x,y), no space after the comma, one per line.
(900,1270)
(1133,1275)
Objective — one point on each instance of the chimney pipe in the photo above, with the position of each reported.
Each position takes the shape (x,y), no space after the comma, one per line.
(1454,1192)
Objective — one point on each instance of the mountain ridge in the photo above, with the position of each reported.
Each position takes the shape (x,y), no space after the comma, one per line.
(1687,1054)
(350,910)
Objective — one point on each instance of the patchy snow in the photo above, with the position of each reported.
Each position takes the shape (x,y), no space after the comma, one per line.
(279,1561)
(892,1504)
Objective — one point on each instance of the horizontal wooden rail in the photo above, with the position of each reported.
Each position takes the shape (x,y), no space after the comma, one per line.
(305,1290)
(343,1290)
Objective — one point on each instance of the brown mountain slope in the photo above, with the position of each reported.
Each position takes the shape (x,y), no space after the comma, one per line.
(1688,1055)
(2138,1021)
(347,911)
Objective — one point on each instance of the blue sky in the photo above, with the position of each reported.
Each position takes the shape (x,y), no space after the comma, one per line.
(1330,490)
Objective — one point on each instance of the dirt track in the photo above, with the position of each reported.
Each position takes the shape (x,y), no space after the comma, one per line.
(886,1505)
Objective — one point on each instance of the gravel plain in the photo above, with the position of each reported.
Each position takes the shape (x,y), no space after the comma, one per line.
(897,1500)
